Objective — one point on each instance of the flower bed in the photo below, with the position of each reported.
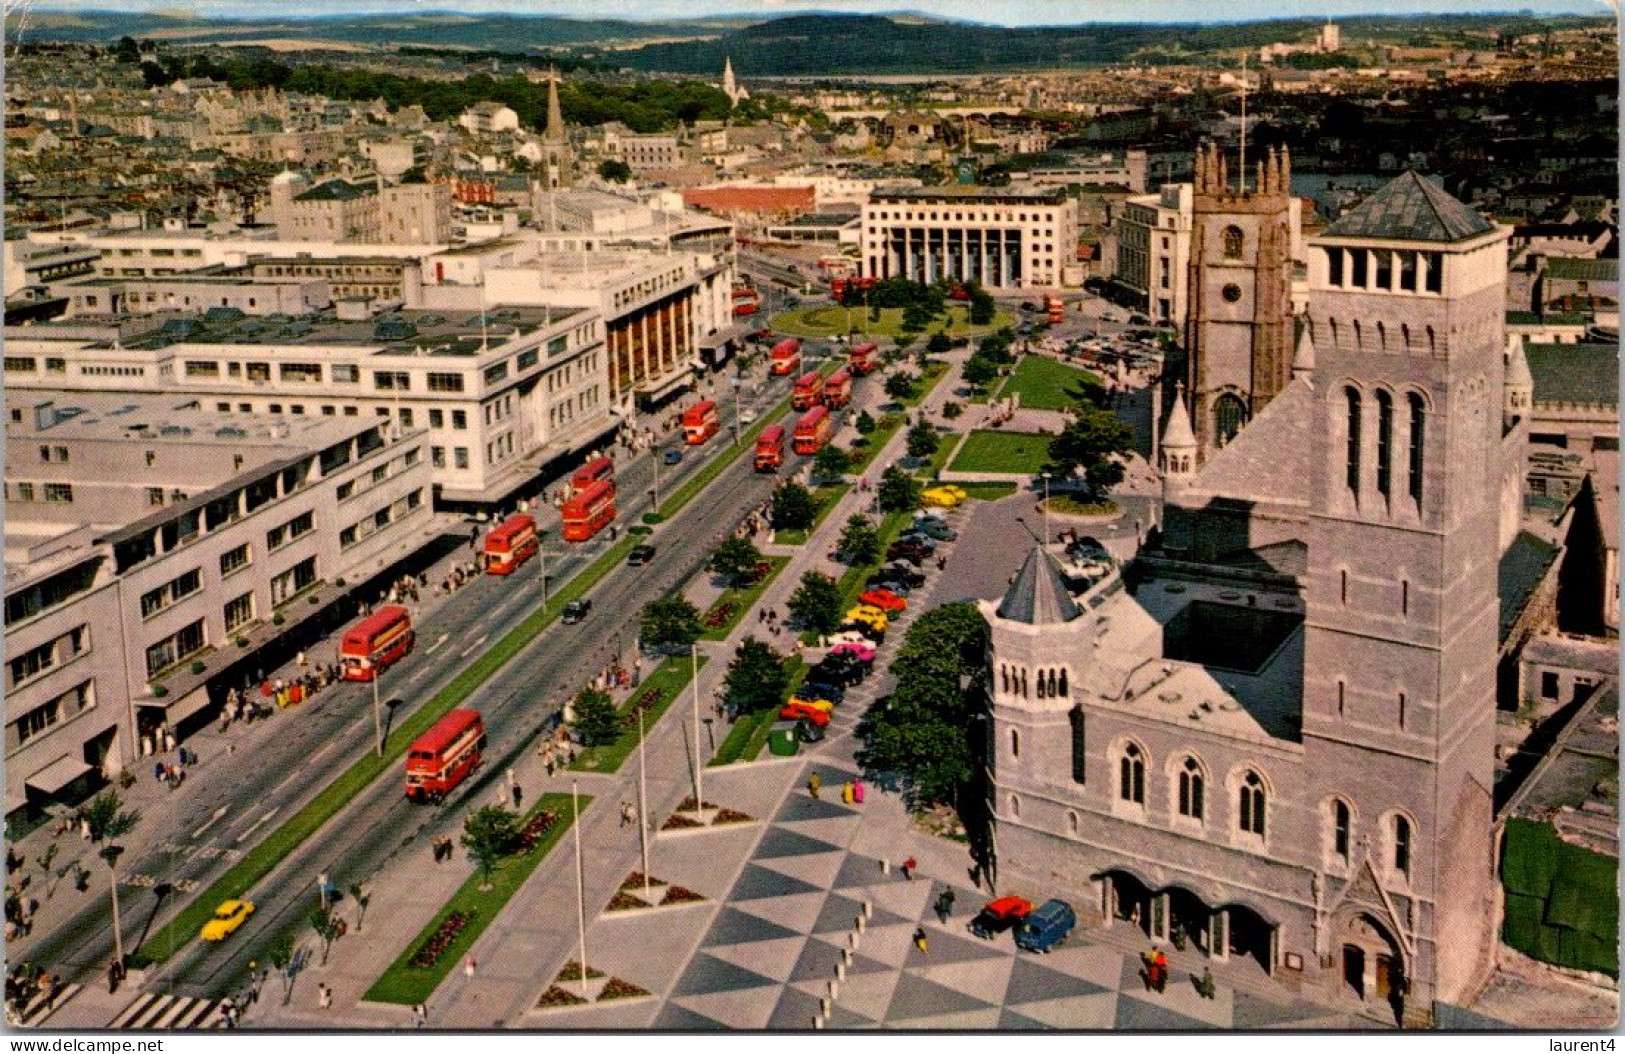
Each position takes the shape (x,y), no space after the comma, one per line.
(635,881)
(720,615)
(539,825)
(572,972)
(689,804)
(619,989)
(731,816)
(435,947)
(624,901)
(677,821)
(556,996)
(681,895)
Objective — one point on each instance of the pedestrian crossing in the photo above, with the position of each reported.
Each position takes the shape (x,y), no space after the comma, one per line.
(42,1007)
(156,1010)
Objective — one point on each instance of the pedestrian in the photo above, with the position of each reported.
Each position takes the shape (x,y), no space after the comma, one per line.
(420,1015)
(846,792)
(920,940)
(1205,986)
(628,814)
(908,868)
(547,761)
(468,967)
(299,660)
(813,783)
(518,796)
(945,905)
(324,997)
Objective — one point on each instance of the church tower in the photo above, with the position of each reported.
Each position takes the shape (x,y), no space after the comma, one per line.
(1408,334)
(555,141)
(1238,327)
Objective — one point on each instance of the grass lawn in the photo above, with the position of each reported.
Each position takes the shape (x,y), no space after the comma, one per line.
(408,985)
(829,320)
(928,379)
(988,491)
(996,451)
(749,734)
(1043,383)
(885,428)
(661,688)
(824,499)
(736,602)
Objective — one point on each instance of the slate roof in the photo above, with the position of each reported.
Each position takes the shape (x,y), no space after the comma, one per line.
(1268,460)
(1574,373)
(1410,208)
(1039,595)
(332,190)
(1579,270)
(1522,568)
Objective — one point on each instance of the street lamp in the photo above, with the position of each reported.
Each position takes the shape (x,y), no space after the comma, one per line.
(1046,508)
(734,383)
(694,679)
(643,800)
(541,555)
(377,719)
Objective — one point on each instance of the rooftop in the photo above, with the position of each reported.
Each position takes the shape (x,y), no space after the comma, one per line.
(333,190)
(1410,208)
(1047,195)
(1581,270)
(1039,595)
(1574,373)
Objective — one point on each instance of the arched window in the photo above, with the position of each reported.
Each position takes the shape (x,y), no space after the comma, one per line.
(1250,809)
(1229,414)
(1191,786)
(1342,692)
(1015,743)
(1382,335)
(1079,742)
(1351,474)
(1385,445)
(1042,685)
(1402,845)
(1418,435)
(1064,691)
(1131,775)
(1342,820)
(1232,243)
(1072,823)
(1004,677)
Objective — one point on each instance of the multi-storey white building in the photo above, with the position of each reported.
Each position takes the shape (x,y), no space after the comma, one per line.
(1153,250)
(998,237)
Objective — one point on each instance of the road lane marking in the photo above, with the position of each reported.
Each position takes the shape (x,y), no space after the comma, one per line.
(255,825)
(437,643)
(464,653)
(211,821)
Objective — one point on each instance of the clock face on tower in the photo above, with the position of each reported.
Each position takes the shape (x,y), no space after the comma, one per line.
(1231,293)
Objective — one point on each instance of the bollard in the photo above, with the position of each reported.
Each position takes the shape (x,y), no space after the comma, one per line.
(868,909)
(862,923)
(885,867)
(823,1008)
(846,956)
(818,1021)
(834,989)
(840,971)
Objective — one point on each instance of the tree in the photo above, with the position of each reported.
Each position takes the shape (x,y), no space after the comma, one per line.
(898,491)
(279,953)
(108,820)
(326,926)
(489,834)
(900,385)
(923,440)
(793,508)
(154,75)
(596,721)
(831,462)
(982,307)
(614,170)
(903,343)
(362,898)
(951,410)
(736,560)
(923,733)
(816,603)
(979,371)
(916,317)
(756,679)
(939,344)
(865,424)
(127,50)
(1092,441)
(669,622)
(860,541)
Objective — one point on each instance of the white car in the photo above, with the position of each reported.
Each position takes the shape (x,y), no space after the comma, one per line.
(747,417)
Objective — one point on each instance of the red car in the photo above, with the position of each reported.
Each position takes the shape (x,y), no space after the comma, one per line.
(803,712)
(884,599)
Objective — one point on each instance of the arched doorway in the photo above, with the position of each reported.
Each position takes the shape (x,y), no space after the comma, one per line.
(1371,966)
(1128,899)
(1189,919)
(1249,935)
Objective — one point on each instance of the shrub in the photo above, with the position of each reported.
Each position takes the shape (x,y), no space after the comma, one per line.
(197,667)
(278,619)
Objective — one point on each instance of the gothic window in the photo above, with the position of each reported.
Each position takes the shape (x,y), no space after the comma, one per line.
(1341,822)
(1402,845)
(1191,786)
(1063,691)
(1079,742)
(1229,414)
(1072,823)
(1004,677)
(1351,474)
(1402,702)
(1131,775)
(1385,444)
(1342,693)
(1015,743)
(1418,434)
(1250,811)
(1042,686)
(1232,243)
(1334,267)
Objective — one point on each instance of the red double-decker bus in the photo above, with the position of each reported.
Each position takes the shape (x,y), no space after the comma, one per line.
(786,356)
(809,391)
(376,643)
(770,449)
(838,389)
(1055,308)
(510,544)
(746,301)
(600,467)
(864,358)
(700,422)
(813,430)
(589,512)
(444,756)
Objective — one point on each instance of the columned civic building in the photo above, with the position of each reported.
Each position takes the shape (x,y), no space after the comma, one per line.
(997,237)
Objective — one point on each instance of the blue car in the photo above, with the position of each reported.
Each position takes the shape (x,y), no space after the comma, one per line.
(673,456)
(1046,927)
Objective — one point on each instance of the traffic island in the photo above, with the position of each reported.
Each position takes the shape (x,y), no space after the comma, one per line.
(655,695)
(692,815)
(570,990)
(437,949)
(721,617)
(636,894)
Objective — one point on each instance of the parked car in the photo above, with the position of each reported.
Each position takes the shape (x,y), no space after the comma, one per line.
(864,630)
(809,731)
(914,551)
(884,599)
(1048,925)
(798,711)
(946,497)
(820,689)
(640,555)
(850,635)
(906,575)
(576,610)
(747,416)
(891,585)
(933,529)
(859,652)
(868,615)
(1000,915)
(673,456)
(834,671)
(228,919)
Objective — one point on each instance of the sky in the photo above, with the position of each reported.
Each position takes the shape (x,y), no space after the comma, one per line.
(1002,12)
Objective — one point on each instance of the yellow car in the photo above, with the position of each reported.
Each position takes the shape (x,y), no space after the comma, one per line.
(821,705)
(945,497)
(869,616)
(228,918)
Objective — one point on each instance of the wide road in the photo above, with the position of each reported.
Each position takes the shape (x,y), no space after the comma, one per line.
(518,703)
(232,802)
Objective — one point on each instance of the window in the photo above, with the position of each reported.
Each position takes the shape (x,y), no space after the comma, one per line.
(1341,821)
(277,537)
(48,656)
(1131,775)
(445,382)
(1548,685)
(527,359)
(344,373)
(437,456)
(234,560)
(292,581)
(1015,743)
(1334,266)
(1418,434)
(158,599)
(259,371)
(155,495)
(301,372)
(1342,692)
(203,369)
(176,648)
(1402,845)
(1250,808)
(25,492)
(437,419)
(406,417)
(459,420)
(1358,259)
(1385,435)
(1191,785)
(1402,704)
(1385,268)
(1232,239)
(56,365)
(239,611)
(1351,474)
(1231,292)
(1404,596)
(1433,268)
(64,707)
(496,372)
(20,364)
(392,380)
(59,493)
(460,455)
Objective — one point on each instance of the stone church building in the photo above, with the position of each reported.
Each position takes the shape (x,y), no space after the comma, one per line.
(1270,737)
